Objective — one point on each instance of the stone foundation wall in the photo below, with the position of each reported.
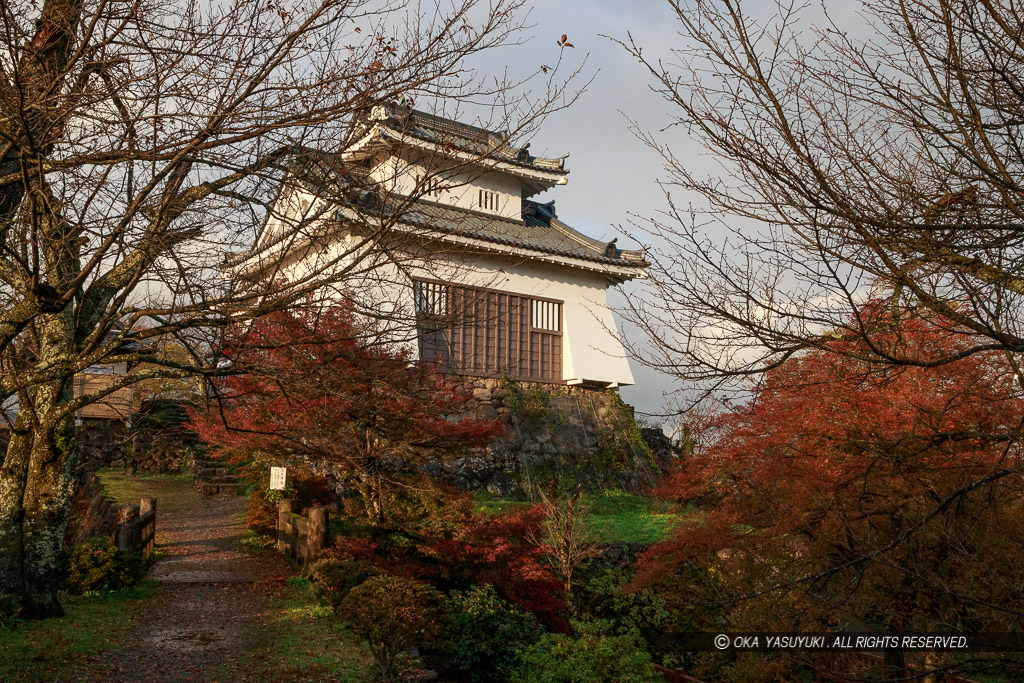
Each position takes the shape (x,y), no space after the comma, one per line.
(93,514)
(100,442)
(158,442)
(582,433)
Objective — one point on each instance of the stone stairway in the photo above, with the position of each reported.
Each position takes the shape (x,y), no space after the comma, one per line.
(213,477)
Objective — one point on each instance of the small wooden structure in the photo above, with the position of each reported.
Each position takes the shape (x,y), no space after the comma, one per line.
(136,527)
(301,538)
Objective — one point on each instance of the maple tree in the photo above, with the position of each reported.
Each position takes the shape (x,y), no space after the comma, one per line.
(856,494)
(499,551)
(309,387)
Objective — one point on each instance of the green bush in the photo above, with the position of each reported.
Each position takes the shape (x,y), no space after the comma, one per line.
(331,579)
(486,636)
(604,594)
(394,613)
(96,565)
(590,658)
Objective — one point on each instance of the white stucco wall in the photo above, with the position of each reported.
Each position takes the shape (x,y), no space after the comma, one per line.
(294,207)
(460,185)
(591,350)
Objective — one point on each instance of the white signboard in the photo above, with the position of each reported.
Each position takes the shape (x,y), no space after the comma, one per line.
(277,476)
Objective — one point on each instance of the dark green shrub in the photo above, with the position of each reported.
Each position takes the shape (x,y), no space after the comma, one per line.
(255,542)
(96,565)
(394,613)
(486,636)
(605,595)
(590,658)
(331,579)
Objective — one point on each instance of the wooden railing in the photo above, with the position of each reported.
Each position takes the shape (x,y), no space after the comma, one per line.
(136,527)
(301,538)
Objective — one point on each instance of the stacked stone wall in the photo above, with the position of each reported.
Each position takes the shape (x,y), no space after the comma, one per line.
(577,432)
(93,514)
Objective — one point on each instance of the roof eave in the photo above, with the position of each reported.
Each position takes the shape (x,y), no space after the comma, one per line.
(617,272)
(548,179)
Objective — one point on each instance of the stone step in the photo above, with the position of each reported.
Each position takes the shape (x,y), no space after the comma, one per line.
(214,489)
(202,464)
(226,479)
(212,472)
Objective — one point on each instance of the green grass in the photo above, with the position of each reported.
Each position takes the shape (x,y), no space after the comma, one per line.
(487,504)
(302,640)
(173,492)
(629,518)
(615,517)
(66,648)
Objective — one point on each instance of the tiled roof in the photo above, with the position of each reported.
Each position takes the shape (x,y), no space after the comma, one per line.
(467,138)
(539,230)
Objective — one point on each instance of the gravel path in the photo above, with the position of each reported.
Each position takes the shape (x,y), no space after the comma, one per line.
(203,628)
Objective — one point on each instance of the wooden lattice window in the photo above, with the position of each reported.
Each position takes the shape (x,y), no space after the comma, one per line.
(432,185)
(488,333)
(488,200)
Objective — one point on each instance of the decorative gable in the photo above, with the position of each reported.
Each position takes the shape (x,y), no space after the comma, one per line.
(409,173)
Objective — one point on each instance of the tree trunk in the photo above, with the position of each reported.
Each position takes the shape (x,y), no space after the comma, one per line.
(35,497)
(13,476)
(377,499)
(894,661)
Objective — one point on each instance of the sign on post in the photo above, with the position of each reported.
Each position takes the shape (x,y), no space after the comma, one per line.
(277,478)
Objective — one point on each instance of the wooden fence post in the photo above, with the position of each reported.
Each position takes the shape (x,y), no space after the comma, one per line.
(127,530)
(284,508)
(317,531)
(145,506)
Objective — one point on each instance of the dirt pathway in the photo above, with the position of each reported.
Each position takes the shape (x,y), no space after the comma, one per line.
(204,627)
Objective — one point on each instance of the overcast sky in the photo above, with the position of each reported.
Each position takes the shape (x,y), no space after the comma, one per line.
(613,176)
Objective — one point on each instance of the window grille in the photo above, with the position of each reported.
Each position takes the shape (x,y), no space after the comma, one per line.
(431,186)
(431,298)
(488,333)
(487,200)
(546,315)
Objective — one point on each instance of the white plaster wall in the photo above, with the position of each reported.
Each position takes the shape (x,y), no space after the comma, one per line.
(294,207)
(460,185)
(382,292)
(591,350)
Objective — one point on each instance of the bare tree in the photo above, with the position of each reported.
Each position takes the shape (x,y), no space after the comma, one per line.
(565,537)
(142,141)
(853,170)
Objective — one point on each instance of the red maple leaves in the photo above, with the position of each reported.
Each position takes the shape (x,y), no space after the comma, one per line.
(312,387)
(853,490)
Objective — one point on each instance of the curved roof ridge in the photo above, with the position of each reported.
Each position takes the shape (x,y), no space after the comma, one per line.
(467,137)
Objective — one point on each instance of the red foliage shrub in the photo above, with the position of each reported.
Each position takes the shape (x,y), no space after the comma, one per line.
(471,551)
(305,489)
(261,515)
(859,491)
(307,386)
(494,551)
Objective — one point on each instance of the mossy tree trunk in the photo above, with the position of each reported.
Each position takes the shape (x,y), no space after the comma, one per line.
(35,496)
(36,484)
